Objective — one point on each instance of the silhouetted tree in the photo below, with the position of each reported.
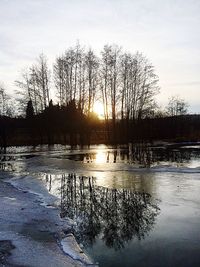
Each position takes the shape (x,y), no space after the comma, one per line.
(29,110)
(43,79)
(139,86)
(6,105)
(75,76)
(35,85)
(69,71)
(177,106)
(92,67)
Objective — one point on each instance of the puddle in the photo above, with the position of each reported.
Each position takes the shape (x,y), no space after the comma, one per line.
(31,231)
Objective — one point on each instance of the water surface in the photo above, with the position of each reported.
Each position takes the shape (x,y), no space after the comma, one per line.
(132,206)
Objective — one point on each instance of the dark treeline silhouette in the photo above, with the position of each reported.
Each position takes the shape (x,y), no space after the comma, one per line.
(125,84)
(68,125)
(118,215)
(175,128)
(55,124)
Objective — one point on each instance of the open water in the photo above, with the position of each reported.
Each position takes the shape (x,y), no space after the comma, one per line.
(132,205)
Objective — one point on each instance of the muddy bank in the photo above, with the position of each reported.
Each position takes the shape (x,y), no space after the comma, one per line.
(31,233)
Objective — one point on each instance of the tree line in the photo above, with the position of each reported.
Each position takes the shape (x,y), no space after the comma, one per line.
(125,83)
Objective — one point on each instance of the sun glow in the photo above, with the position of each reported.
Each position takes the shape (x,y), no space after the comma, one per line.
(100,157)
(99,109)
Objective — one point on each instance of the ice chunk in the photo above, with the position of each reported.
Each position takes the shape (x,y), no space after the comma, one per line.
(71,248)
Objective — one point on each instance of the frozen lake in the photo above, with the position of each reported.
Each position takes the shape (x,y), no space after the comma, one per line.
(131,206)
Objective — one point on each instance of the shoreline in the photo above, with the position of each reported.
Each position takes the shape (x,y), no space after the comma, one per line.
(32,232)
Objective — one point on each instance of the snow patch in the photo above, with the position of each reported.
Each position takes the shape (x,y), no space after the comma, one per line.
(71,248)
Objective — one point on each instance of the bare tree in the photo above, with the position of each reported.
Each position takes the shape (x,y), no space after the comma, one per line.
(34,86)
(104,77)
(60,79)
(6,104)
(177,106)
(110,71)
(42,76)
(76,77)
(92,66)
(138,86)
(69,75)
(128,89)
(126,83)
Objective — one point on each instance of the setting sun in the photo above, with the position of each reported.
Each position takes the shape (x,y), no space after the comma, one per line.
(99,109)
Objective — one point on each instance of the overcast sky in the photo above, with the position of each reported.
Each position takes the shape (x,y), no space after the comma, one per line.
(166,31)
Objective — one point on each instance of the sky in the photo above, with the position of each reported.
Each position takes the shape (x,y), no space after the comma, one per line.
(167,32)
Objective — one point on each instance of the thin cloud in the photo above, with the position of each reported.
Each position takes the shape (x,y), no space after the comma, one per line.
(167,32)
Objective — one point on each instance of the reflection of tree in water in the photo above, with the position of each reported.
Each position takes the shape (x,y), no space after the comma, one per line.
(144,155)
(115,215)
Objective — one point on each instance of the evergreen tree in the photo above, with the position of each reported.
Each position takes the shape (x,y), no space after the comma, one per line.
(29,110)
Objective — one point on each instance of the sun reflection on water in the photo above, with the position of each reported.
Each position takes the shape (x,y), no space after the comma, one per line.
(100,157)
